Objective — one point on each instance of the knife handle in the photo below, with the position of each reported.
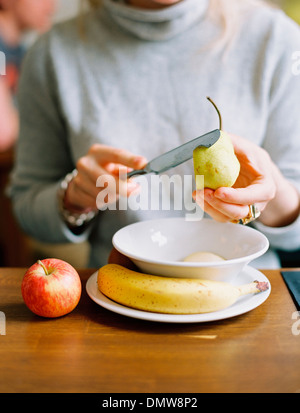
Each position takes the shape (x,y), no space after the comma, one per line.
(136,172)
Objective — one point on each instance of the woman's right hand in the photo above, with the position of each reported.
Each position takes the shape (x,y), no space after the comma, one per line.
(106,162)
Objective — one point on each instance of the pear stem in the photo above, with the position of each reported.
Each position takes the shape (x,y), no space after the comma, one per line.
(43,266)
(218,112)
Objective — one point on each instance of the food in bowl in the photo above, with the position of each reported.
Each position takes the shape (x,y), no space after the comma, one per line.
(203,256)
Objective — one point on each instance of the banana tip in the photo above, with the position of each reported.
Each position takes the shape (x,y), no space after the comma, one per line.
(262,285)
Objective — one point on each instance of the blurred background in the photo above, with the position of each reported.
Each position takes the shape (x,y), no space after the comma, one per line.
(292,8)
(18,250)
(66,9)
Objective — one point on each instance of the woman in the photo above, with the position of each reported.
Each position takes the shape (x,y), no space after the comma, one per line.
(133,84)
(16,18)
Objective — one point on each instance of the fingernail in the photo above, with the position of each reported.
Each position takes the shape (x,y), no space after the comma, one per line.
(220,194)
(139,159)
(140,162)
(200,193)
(209,195)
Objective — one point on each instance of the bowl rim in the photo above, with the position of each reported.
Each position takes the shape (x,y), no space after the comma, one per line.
(232,261)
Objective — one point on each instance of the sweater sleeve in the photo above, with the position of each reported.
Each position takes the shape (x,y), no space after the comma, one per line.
(282,137)
(42,154)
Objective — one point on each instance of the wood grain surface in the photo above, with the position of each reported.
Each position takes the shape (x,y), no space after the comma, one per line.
(97,351)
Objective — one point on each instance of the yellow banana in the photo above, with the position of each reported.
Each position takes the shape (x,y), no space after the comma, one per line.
(169,295)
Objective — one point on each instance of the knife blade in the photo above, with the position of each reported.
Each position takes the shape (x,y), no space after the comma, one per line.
(178,155)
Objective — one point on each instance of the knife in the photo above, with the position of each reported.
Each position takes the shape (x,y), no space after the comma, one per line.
(177,155)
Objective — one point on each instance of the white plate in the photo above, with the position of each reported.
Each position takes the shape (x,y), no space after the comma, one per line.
(242,305)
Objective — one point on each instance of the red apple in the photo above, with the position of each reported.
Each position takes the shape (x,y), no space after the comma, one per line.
(51,288)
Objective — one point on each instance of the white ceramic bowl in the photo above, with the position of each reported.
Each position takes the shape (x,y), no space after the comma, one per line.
(159,246)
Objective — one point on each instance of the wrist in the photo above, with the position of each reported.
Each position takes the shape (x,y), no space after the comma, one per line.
(71,214)
(284,209)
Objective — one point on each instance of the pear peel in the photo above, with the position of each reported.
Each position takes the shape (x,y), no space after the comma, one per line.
(218,164)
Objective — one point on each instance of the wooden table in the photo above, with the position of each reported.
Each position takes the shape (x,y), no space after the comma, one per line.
(97,351)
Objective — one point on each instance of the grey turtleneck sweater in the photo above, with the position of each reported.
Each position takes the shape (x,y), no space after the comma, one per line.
(138,80)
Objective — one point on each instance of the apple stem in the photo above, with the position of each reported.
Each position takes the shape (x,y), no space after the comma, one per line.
(44,268)
(218,112)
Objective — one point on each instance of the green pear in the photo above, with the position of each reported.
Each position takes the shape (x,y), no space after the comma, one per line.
(218,164)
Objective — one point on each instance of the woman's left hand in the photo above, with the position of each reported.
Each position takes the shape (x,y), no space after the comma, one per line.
(260,182)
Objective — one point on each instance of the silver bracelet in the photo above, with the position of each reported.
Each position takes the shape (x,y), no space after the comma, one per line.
(72,218)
